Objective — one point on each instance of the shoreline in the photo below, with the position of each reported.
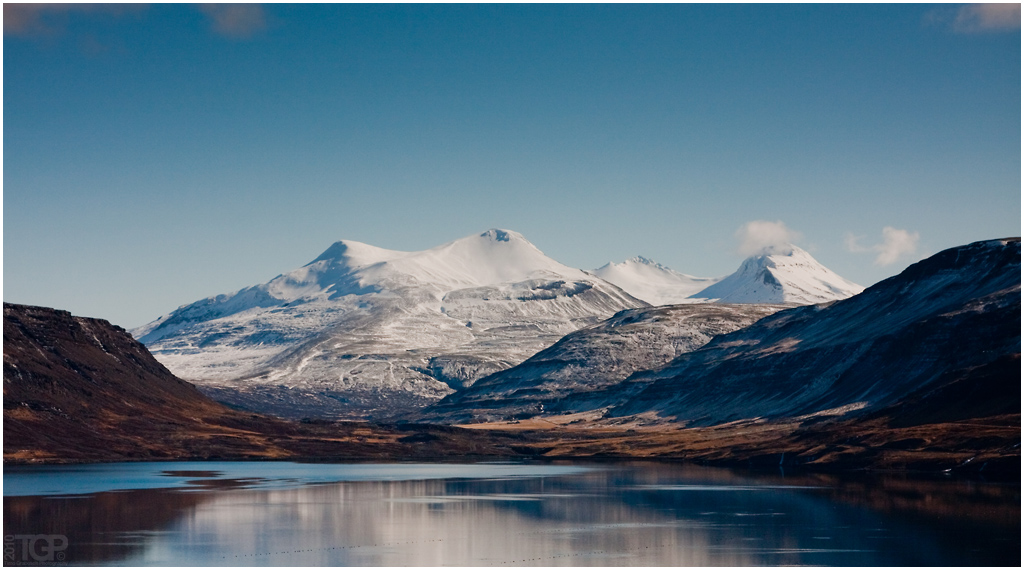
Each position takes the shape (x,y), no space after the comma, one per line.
(837,447)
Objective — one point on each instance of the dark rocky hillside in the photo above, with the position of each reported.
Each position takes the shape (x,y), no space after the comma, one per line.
(86,384)
(938,342)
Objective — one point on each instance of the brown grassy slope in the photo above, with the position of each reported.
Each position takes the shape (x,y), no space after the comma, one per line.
(988,446)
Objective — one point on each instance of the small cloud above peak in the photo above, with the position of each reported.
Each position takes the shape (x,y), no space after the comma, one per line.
(763,237)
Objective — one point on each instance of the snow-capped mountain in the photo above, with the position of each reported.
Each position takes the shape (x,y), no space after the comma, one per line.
(780,275)
(653,282)
(362,329)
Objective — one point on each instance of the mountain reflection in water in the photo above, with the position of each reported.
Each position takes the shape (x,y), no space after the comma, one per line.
(619,514)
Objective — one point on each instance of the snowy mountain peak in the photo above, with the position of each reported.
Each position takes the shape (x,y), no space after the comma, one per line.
(651,281)
(790,256)
(635,261)
(492,257)
(644,261)
(356,254)
(782,274)
(489,246)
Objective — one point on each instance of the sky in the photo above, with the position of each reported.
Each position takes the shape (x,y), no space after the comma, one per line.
(157,155)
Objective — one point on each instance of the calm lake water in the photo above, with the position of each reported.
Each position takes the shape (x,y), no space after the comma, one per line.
(497,514)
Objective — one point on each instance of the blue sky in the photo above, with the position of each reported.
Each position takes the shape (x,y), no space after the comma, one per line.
(156,155)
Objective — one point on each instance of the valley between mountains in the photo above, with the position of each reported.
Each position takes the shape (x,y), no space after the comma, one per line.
(380,353)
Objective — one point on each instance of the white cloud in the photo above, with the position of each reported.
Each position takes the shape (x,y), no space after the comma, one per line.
(895,244)
(974,18)
(764,237)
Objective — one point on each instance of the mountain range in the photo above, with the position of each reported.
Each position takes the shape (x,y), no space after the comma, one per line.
(920,371)
(363,331)
(943,334)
